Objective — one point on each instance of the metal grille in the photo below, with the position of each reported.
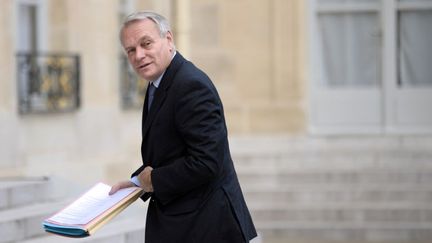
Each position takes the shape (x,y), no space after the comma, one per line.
(48,82)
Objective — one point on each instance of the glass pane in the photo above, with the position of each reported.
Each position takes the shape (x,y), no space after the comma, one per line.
(351,49)
(415,48)
(33,28)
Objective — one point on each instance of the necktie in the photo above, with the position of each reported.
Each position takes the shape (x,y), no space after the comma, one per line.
(151,91)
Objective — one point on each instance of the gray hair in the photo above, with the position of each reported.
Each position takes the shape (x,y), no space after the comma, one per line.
(160,21)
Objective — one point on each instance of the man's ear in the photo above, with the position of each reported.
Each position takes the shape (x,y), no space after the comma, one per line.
(170,38)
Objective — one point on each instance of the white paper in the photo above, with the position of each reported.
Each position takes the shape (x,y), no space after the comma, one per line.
(90,205)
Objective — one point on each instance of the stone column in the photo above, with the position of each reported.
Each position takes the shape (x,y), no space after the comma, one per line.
(9,132)
(182,23)
(7,57)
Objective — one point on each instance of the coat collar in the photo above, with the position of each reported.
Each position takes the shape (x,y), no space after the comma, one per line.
(161,92)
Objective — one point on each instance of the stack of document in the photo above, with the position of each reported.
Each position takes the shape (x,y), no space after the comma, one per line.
(90,211)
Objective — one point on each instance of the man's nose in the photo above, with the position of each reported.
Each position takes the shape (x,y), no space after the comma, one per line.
(140,53)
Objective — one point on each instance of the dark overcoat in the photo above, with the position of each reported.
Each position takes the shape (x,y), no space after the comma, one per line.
(197,196)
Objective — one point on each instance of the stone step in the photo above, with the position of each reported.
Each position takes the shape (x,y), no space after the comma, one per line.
(333,176)
(331,143)
(117,231)
(349,213)
(276,187)
(335,152)
(16,192)
(340,188)
(336,160)
(337,193)
(393,232)
(25,222)
(272,150)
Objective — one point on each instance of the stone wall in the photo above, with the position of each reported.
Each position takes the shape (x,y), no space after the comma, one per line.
(252,50)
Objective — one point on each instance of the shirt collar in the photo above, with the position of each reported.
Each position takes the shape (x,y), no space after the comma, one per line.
(158,80)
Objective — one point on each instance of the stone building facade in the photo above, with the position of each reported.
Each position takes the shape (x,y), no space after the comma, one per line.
(253,51)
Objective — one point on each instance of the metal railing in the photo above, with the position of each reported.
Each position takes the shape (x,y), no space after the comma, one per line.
(48,82)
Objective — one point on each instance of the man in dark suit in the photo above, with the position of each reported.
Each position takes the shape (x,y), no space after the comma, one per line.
(187,170)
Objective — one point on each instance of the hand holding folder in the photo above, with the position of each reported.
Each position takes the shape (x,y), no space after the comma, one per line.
(90,211)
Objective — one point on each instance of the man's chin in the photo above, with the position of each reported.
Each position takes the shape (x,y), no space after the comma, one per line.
(146,76)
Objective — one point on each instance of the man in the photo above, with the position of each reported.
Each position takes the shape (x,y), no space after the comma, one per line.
(187,169)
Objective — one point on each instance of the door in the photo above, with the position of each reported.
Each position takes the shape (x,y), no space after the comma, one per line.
(370,66)
(409,78)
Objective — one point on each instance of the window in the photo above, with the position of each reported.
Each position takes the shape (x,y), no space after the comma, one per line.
(47,82)
(414,45)
(351,48)
(133,88)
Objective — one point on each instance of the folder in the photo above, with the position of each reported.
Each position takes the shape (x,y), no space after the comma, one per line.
(90,211)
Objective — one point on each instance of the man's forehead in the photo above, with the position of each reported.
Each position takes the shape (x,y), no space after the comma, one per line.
(143,24)
(137,31)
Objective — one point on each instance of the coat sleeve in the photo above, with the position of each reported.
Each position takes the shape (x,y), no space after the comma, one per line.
(199,120)
(145,196)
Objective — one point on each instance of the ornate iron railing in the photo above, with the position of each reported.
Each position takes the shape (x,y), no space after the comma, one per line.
(48,82)
(133,88)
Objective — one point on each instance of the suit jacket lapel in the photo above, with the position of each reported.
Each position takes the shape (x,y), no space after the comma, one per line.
(161,93)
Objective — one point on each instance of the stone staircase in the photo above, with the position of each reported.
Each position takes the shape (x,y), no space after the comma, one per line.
(25,202)
(307,189)
(338,189)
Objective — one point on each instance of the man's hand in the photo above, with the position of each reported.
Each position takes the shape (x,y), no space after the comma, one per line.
(120,185)
(145,179)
